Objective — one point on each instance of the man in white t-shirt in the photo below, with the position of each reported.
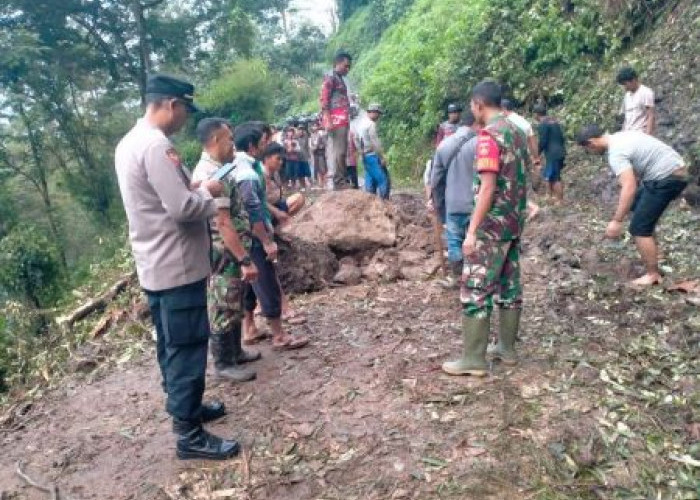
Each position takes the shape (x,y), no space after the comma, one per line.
(652,174)
(638,104)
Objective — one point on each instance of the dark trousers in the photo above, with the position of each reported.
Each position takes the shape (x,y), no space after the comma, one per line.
(182,326)
(352,176)
(266,288)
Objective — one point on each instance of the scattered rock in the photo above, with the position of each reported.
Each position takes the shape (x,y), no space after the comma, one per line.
(348,274)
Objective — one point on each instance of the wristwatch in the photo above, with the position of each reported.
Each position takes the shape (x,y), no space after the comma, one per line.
(245,261)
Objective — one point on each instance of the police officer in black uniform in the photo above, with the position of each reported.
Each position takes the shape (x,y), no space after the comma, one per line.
(169,237)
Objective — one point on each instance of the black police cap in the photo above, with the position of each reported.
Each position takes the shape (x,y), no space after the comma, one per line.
(454,108)
(169,86)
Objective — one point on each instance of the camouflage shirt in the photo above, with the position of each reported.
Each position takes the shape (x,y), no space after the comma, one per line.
(222,259)
(502,149)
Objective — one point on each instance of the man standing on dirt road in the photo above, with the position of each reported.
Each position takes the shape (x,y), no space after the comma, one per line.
(168,216)
(449,127)
(231,261)
(369,145)
(492,244)
(335,118)
(266,289)
(452,177)
(662,178)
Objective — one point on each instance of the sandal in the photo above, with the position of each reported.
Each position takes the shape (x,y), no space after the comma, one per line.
(256,339)
(291,343)
(294,318)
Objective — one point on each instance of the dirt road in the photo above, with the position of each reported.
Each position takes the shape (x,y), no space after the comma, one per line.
(607,391)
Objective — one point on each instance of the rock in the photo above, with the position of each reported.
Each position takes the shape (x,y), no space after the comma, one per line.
(348,274)
(411,257)
(305,266)
(692,196)
(347,221)
(383,266)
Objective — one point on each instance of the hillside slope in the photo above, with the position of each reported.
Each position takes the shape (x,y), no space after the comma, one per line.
(564,53)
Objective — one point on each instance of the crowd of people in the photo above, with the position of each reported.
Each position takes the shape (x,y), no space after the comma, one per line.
(205,243)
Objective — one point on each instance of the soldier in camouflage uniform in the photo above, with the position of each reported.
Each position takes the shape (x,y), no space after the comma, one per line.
(231,264)
(492,245)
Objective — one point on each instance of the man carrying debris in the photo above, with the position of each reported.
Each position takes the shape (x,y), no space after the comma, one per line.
(368,143)
(451,184)
(167,216)
(492,244)
(651,175)
(637,109)
(232,265)
(335,118)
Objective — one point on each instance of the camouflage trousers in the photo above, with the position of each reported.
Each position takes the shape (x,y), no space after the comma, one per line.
(225,299)
(494,269)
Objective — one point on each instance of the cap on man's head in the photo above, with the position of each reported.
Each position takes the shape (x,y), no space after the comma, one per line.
(585,134)
(454,108)
(540,109)
(375,107)
(160,85)
(507,104)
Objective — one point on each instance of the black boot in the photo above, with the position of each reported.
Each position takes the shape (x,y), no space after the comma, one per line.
(239,354)
(194,442)
(212,411)
(223,350)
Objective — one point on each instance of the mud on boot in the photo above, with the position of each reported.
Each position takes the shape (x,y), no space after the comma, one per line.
(475,337)
(223,350)
(240,355)
(504,350)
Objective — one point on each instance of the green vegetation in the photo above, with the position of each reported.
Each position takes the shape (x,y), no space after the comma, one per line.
(541,50)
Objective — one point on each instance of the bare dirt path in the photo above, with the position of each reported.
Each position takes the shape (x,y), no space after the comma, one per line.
(365,413)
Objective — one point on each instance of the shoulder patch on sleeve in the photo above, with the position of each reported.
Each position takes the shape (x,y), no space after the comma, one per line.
(174,156)
(487,153)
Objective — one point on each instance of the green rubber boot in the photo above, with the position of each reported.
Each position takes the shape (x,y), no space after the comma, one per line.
(509,320)
(475,335)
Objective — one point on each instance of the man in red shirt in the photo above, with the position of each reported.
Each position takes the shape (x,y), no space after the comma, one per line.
(335,113)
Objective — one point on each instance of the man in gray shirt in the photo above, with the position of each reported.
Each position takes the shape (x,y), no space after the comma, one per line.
(167,216)
(652,174)
(451,181)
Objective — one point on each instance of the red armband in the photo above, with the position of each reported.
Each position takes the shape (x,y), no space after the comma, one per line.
(487,153)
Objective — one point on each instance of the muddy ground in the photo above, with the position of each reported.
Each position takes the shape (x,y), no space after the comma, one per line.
(605,402)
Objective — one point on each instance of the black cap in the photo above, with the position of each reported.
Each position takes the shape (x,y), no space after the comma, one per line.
(169,86)
(507,104)
(454,108)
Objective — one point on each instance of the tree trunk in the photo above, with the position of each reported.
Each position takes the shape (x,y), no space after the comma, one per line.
(144,48)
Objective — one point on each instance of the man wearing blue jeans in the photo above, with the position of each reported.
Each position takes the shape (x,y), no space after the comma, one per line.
(452,194)
(367,141)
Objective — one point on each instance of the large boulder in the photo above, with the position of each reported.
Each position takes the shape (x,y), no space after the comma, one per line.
(347,221)
(305,266)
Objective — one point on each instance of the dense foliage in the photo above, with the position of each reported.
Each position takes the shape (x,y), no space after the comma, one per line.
(539,50)
(73,84)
